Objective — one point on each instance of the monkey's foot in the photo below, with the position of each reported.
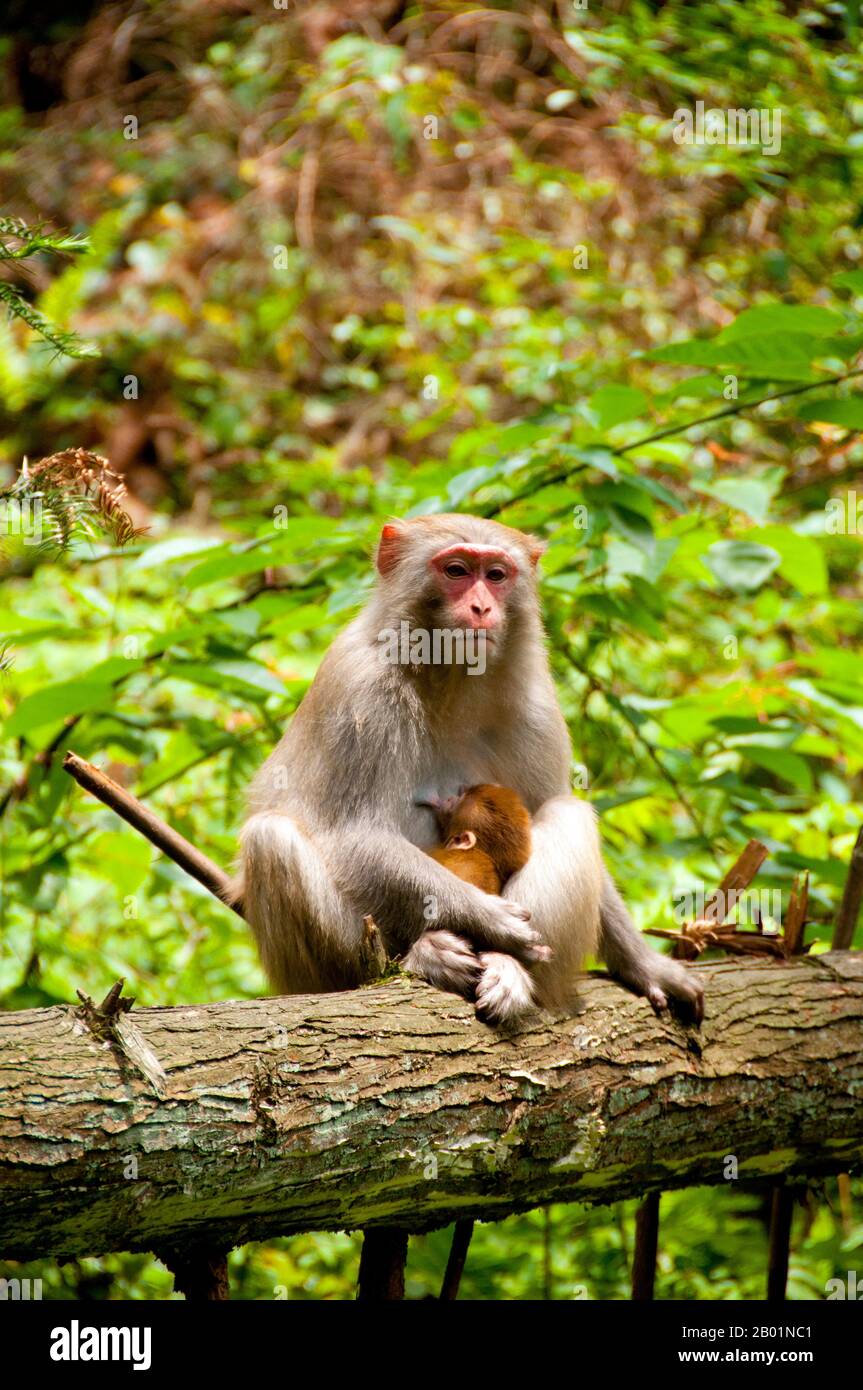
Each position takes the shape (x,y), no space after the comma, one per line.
(670,984)
(446,961)
(504,993)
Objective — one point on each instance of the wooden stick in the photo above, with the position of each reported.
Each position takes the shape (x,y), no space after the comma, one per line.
(110,1022)
(852,896)
(200,1274)
(780,1242)
(382,1265)
(795,916)
(646,1244)
(739,876)
(846,1206)
(142,819)
(457,1257)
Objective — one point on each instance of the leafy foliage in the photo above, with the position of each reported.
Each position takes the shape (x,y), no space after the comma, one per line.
(17,242)
(312,316)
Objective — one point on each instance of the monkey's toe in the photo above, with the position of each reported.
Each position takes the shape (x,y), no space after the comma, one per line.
(504,993)
(674,987)
(689,1003)
(446,961)
(657,998)
(538,951)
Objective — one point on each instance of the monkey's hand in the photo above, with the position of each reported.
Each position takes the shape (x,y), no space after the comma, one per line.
(446,961)
(668,983)
(501,925)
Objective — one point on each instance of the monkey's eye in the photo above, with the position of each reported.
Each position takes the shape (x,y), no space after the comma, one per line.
(456,570)
(497,575)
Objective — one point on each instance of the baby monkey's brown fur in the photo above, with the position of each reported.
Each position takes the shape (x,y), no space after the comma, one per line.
(486,835)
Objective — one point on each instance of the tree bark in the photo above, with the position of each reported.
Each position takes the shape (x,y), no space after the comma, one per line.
(392,1106)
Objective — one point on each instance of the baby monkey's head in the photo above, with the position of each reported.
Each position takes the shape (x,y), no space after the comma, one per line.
(489,818)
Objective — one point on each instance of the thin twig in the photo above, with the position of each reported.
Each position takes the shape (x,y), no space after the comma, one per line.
(457,1257)
(646,1245)
(618,705)
(668,431)
(142,819)
(781,1210)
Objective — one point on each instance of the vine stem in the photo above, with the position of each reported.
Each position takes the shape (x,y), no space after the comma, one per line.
(597,685)
(668,431)
(736,410)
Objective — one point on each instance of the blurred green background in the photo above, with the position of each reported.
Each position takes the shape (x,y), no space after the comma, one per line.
(342,261)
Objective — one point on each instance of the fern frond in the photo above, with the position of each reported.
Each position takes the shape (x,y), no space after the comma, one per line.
(33,240)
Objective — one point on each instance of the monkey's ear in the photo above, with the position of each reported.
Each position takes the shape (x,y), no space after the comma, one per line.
(389,547)
(465,840)
(535,549)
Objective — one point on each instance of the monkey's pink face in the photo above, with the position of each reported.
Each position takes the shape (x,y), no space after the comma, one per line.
(475,582)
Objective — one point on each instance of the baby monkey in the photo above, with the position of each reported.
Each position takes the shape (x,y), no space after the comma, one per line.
(486,835)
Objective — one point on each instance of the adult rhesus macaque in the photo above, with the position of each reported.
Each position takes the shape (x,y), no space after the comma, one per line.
(336,832)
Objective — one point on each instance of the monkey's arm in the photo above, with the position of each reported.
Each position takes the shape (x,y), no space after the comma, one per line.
(407,892)
(305,893)
(632,961)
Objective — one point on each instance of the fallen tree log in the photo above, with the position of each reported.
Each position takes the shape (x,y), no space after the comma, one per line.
(391,1106)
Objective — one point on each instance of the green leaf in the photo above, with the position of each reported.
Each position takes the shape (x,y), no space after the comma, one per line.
(828,870)
(57,702)
(177,548)
(784,318)
(305,618)
(25,630)
(463,484)
(790,767)
(229,562)
(634,528)
(742,565)
(594,456)
(124,859)
(852,713)
(850,280)
(835,663)
(802,557)
(245,675)
(749,495)
(847,412)
(612,405)
(180,751)
(761,356)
